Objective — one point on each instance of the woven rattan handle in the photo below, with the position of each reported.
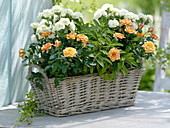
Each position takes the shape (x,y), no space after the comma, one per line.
(37,67)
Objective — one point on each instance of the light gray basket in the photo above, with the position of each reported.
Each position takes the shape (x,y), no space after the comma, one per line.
(87,93)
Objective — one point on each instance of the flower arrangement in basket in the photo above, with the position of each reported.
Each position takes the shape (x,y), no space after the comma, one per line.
(71,55)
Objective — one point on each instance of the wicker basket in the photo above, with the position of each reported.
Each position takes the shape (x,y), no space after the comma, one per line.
(87,93)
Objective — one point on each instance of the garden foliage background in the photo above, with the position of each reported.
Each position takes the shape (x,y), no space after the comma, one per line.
(16,16)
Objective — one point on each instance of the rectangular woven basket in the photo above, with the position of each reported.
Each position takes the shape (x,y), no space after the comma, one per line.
(87,93)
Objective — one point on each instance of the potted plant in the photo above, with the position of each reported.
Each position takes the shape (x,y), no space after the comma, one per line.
(87,67)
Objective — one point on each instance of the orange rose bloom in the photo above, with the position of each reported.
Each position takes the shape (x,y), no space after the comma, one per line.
(45,33)
(140,34)
(70,52)
(119,35)
(21,53)
(130,30)
(46,46)
(82,37)
(71,36)
(114,54)
(149,47)
(57,43)
(126,22)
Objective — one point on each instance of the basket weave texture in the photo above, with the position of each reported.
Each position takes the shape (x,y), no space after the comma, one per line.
(87,93)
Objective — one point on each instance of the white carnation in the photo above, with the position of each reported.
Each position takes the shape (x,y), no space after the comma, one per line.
(47,13)
(56,8)
(113,23)
(77,15)
(72,26)
(66,11)
(134,25)
(42,28)
(51,36)
(40,15)
(107,6)
(58,26)
(150,18)
(65,21)
(43,22)
(99,13)
(35,25)
(129,15)
(122,12)
(56,18)
(135,17)
(34,38)
(114,10)
(141,15)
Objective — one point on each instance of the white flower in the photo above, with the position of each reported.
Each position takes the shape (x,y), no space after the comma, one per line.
(66,11)
(129,15)
(72,26)
(134,25)
(135,17)
(34,38)
(122,12)
(114,10)
(113,23)
(35,25)
(42,28)
(99,13)
(141,15)
(150,18)
(58,26)
(65,21)
(107,6)
(56,18)
(40,15)
(51,36)
(47,13)
(77,15)
(43,22)
(56,8)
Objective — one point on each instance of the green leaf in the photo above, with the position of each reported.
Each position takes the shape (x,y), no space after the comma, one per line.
(54,67)
(91,69)
(85,68)
(64,69)
(106,59)
(91,55)
(115,44)
(107,76)
(96,22)
(47,67)
(100,62)
(124,69)
(56,82)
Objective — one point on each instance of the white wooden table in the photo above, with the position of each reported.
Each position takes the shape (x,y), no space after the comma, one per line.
(151,110)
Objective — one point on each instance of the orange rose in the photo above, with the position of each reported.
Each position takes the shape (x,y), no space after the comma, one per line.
(114,54)
(149,47)
(140,34)
(46,46)
(45,33)
(119,35)
(21,53)
(57,43)
(126,22)
(70,52)
(82,37)
(71,35)
(130,30)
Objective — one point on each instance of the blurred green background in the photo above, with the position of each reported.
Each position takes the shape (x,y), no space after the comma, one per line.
(152,7)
